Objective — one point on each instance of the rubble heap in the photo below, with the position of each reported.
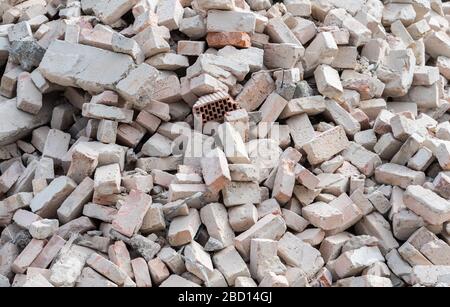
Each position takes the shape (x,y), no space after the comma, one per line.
(224,143)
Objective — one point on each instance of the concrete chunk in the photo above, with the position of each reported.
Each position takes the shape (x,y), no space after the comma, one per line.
(78,66)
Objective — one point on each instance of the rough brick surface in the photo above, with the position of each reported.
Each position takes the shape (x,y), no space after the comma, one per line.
(215,143)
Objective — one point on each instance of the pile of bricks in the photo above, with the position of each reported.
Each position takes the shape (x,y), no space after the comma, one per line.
(223,143)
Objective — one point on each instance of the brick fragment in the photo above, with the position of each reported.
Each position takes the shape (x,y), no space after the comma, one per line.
(131,214)
(263,84)
(183,228)
(352,262)
(326,145)
(442,184)
(290,55)
(215,170)
(99,111)
(323,215)
(47,202)
(433,208)
(141,272)
(230,264)
(29,98)
(71,207)
(56,145)
(299,254)
(158,270)
(178,281)
(190,48)
(341,117)
(215,217)
(222,39)
(239,193)
(198,261)
(228,21)
(269,227)
(328,81)
(107,269)
(119,255)
(107,179)
(375,225)
(172,259)
(49,252)
(242,217)
(27,256)
(10,176)
(43,228)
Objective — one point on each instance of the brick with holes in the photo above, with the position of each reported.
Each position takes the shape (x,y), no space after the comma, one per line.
(213,107)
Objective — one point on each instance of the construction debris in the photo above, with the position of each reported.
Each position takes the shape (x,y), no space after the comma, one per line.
(293,143)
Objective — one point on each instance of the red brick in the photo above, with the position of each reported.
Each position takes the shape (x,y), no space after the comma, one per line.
(222,39)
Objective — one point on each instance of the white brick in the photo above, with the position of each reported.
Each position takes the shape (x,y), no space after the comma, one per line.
(183,229)
(433,208)
(107,179)
(215,217)
(269,227)
(230,21)
(326,145)
(230,264)
(299,254)
(328,81)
